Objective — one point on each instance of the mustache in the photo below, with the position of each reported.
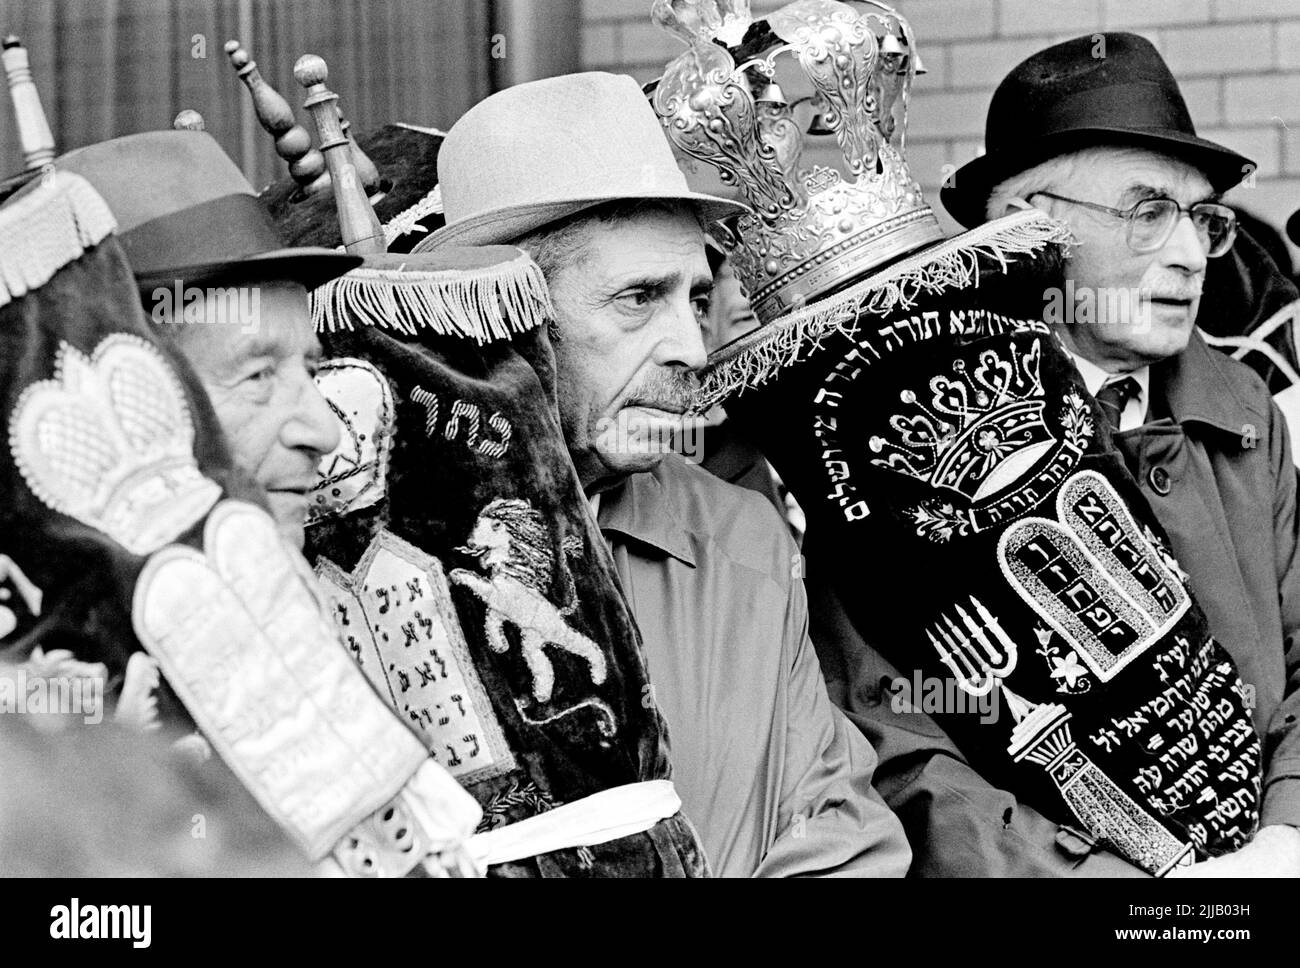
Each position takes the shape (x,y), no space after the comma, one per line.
(672,390)
(1172,292)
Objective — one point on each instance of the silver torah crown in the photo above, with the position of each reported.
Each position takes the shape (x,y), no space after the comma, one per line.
(814,228)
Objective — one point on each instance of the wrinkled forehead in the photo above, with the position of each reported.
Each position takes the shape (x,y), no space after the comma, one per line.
(1121,176)
(657,250)
(220,324)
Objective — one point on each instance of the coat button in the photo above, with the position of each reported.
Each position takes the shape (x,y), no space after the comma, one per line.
(1159,478)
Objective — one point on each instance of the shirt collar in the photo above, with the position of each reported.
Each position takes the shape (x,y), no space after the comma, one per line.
(1094,377)
(642,508)
(1193,386)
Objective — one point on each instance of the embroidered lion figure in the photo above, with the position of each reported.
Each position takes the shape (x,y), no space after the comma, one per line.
(513,544)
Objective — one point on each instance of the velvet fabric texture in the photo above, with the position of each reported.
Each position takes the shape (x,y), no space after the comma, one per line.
(473,428)
(114,535)
(480,491)
(85,577)
(407,160)
(974,517)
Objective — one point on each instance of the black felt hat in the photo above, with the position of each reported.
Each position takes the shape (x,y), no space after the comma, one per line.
(1100,89)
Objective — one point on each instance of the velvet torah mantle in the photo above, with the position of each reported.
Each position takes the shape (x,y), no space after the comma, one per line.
(962,489)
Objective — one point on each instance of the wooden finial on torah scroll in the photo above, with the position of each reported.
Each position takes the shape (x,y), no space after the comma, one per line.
(360,228)
(33,129)
(365,167)
(292,141)
(188,120)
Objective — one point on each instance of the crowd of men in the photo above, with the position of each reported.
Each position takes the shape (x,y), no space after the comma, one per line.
(789,753)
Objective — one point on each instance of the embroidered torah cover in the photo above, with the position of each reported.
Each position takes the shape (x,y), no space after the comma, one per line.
(983,531)
(72,530)
(123,525)
(465,572)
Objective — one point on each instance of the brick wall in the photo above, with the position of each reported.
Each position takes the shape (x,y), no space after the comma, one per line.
(1237,61)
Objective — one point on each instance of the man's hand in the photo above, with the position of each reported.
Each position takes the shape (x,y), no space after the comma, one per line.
(1274,852)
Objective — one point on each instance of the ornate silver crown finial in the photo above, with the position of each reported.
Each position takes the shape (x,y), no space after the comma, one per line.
(695,21)
(819,66)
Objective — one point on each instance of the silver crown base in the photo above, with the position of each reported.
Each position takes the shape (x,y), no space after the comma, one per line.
(880,244)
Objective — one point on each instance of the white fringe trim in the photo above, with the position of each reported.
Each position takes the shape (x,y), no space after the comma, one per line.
(1255,340)
(487,304)
(756,357)
(42,232)
(404,223)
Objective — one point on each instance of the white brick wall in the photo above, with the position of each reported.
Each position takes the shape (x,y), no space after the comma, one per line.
(1291,151)
(975,62)
(1017,17)
(1263,97)
(1263,145)
(1253,9)
(1237,61)
(1204,97)
(939,20)
(1218,49)
(1288,45)
(1139,14)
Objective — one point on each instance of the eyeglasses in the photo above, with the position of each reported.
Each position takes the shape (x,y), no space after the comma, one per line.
(1152,221)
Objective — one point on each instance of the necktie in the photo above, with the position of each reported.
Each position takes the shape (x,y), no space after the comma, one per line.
(1114,396)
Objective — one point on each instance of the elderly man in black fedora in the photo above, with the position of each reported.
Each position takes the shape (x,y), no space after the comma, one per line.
(1096,132)
(213,272)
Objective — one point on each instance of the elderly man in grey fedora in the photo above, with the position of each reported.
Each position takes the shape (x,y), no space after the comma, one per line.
(576,171)
(1096,132)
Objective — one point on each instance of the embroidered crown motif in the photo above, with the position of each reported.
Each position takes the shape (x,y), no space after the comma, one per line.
(978,432)
(851,68)
(108,441)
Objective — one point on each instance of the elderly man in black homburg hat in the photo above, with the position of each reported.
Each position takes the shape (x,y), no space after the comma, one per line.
(1096,132)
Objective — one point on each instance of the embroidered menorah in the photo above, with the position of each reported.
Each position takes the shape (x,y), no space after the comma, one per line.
(977,653)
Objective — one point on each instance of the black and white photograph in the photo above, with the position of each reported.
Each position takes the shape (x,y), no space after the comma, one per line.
(642,439)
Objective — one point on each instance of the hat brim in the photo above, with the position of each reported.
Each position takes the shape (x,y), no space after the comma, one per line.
(968,190)
(312,266)
(505,225)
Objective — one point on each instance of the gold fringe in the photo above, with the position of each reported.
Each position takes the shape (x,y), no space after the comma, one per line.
(485,305)
(756,357)
(44,230)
